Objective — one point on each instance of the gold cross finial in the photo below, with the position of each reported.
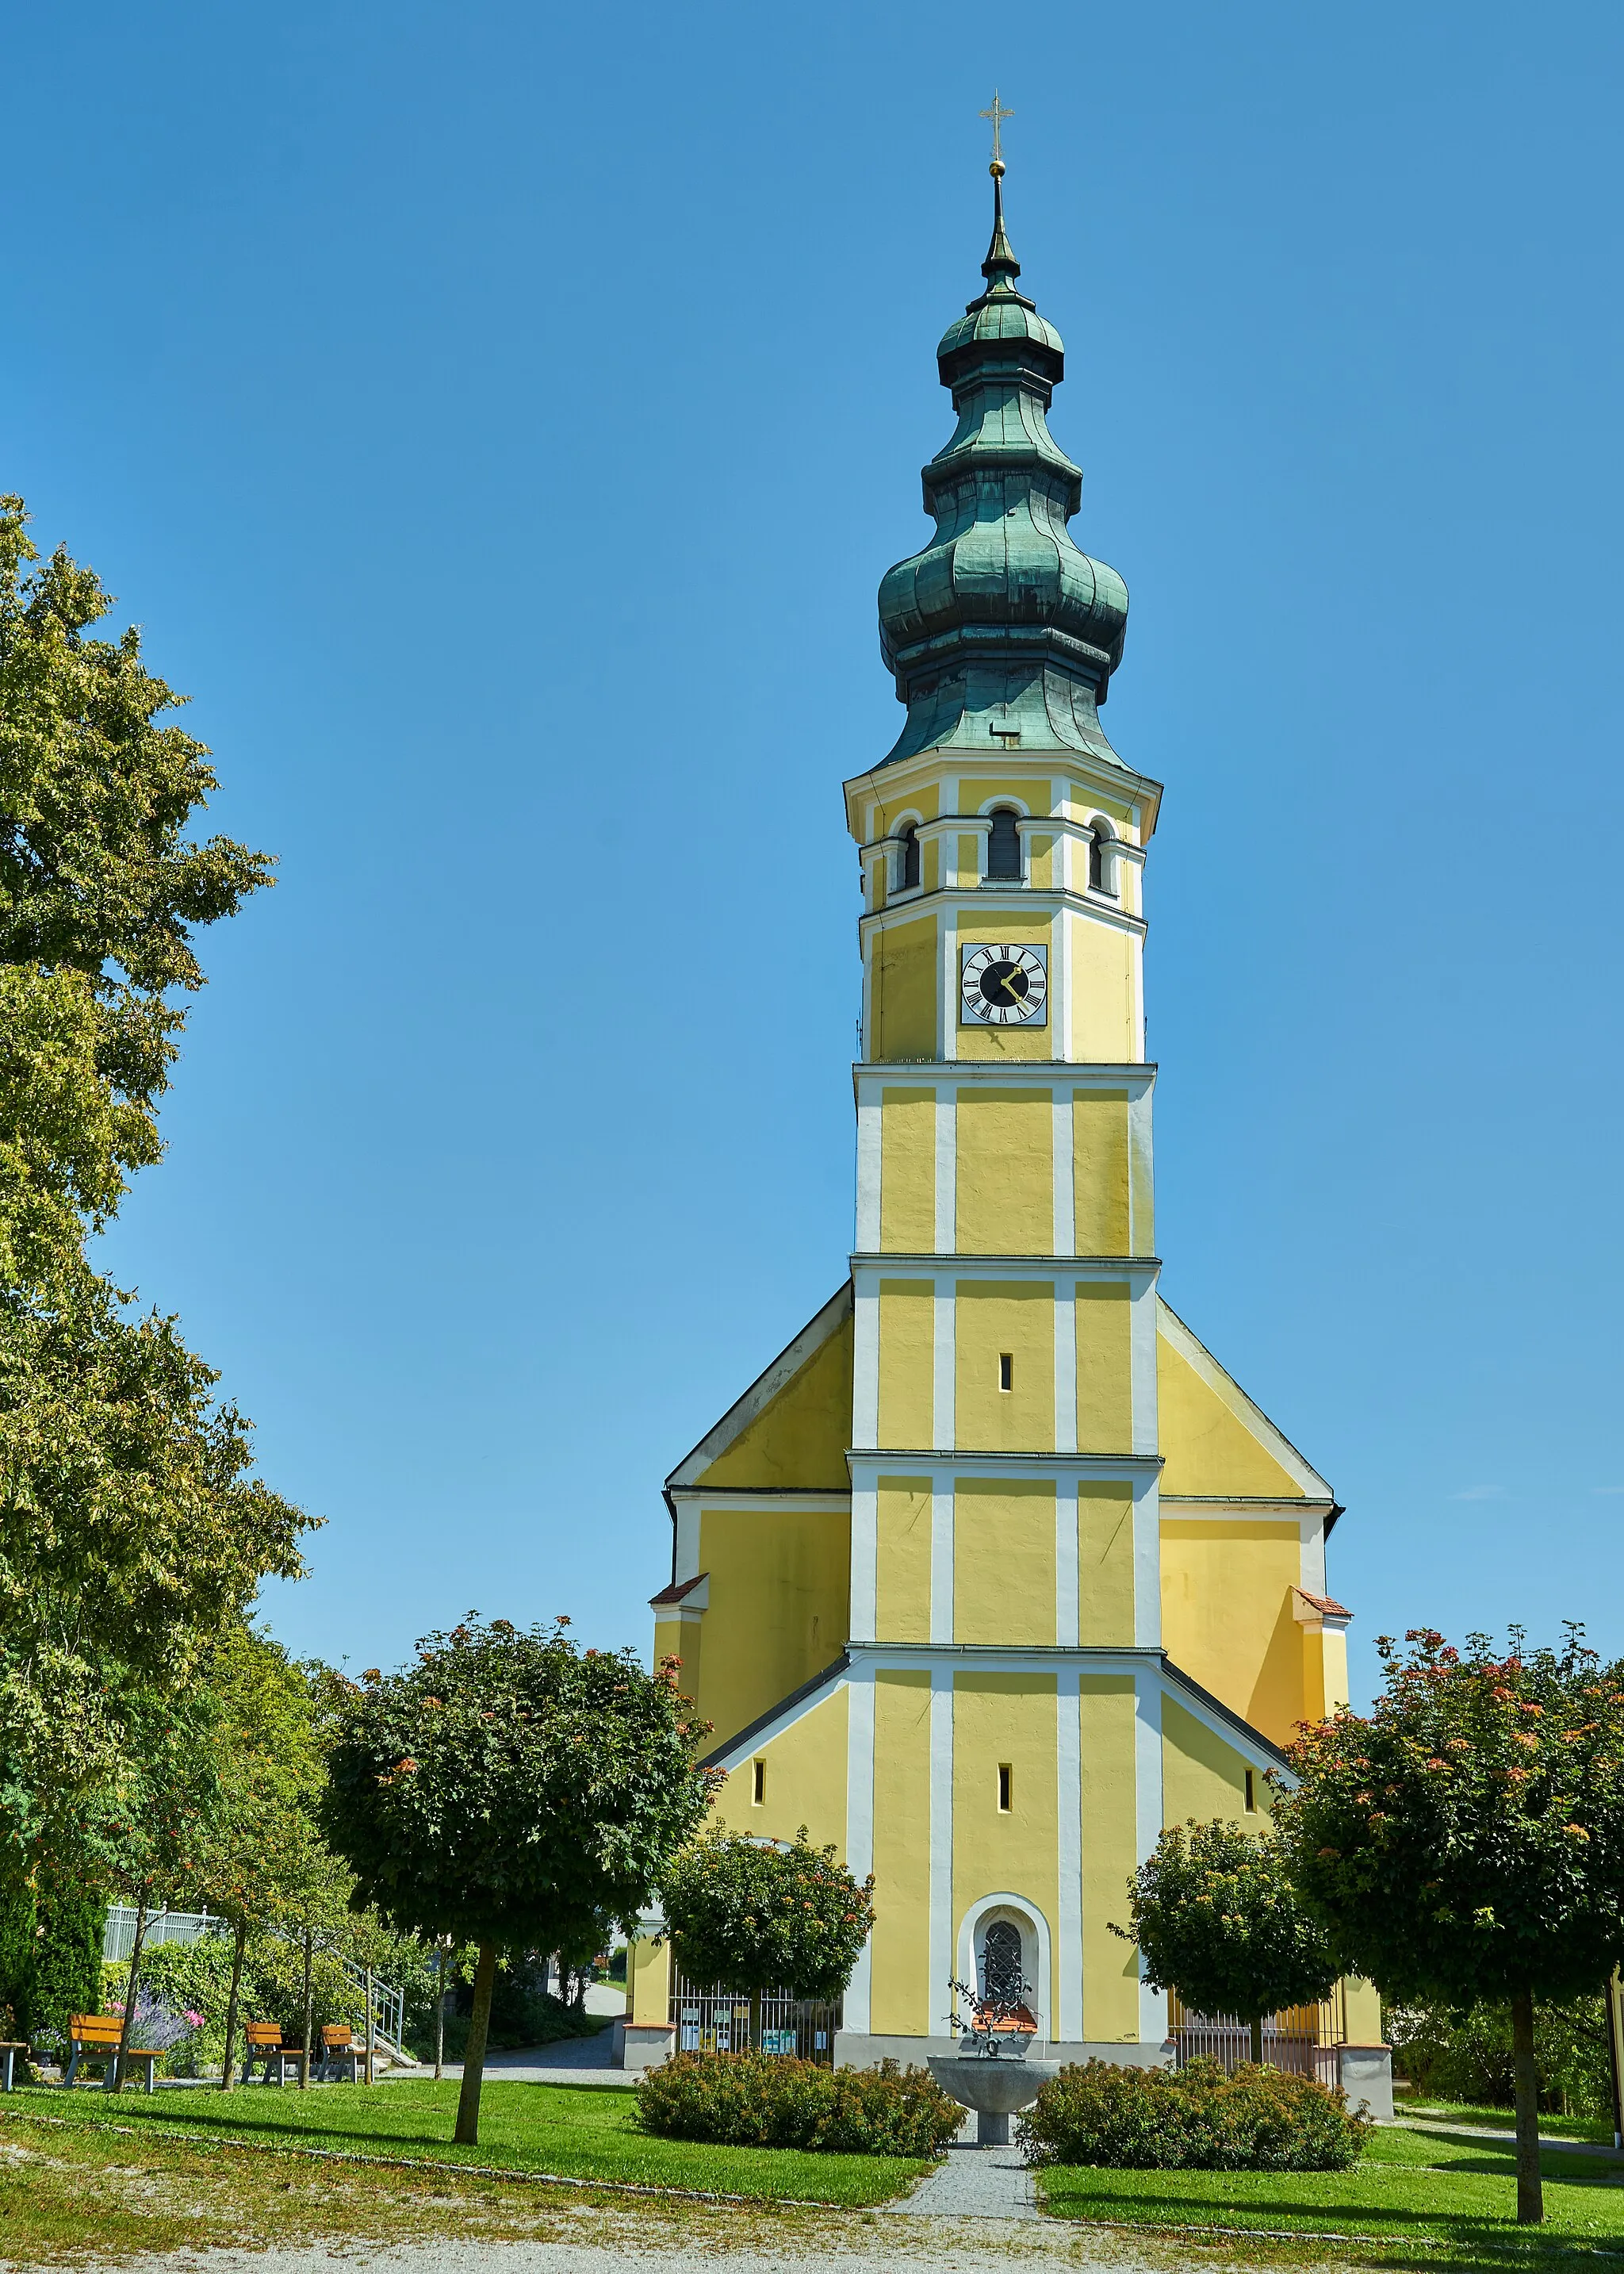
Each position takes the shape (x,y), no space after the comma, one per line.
(998,113)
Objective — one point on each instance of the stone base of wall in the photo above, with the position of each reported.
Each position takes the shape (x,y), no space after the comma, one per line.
(1365,2074)
(855,2050)
(642,2044)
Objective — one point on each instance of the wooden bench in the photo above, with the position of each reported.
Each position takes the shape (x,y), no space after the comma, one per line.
(339,2052)
(94,2037)
(265,2044)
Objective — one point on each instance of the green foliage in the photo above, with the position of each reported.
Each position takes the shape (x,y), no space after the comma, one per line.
(508,1789)
(1468,2057)
(19,1925)
(1194,2119)
(67,1961)
(753,2100)
(1216,1919)
(1465,1840)
(754,1917)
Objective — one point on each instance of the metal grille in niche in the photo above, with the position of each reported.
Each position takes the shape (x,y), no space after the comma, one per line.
(715,2021)
(1002,1982)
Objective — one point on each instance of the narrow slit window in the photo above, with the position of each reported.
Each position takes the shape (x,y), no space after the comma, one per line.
(1003,845)
(758,1788)
(1006,1369)
(1252,1794)
(1006,1788)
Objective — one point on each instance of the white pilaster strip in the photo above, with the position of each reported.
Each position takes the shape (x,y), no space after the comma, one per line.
(1141,1168)
(1068,2017)
(942,1394)
(865,1557)
(1064,1010)
(941,1930)
(941,1556)
(1066,1209)
(859,1821)
(1065,1365)
(947,1168)
(1146,1564)
(866,1364)
(1066,1575)
(870,1133)
(1147,1813)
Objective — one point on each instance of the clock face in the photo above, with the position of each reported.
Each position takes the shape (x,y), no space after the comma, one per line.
(1004,986)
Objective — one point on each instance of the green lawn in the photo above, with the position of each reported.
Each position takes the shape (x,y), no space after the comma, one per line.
(1599,2128)
(522,2127)
(1421,2185)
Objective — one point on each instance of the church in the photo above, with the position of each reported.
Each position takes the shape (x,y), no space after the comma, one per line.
(995,1570)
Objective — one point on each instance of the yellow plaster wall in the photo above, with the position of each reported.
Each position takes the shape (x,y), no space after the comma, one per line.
(1099,1171)
(902,1989)
(650,1983)
(797,1441)
(1005,1177)
(1364,2011)
(1004,1560)
(1143,1183)
(902,1560)
(1209,1449)
(1105,1564)
(994,1318)
(1102,993)
(1104,1367)
(806,1778)
(780,1595)
(902,990)
(680,1638)
(1007,1045)
(1227,1614)
(1110,1967)
(908,1170)
(1005,1718)
(1325,1673)
(1203,1776)
(907,1360)
(1033,791)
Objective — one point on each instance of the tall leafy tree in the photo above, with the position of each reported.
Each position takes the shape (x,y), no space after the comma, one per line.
(507,1789)
(754,1916)
(1215,1917)
(132,1531)
(1464,1841)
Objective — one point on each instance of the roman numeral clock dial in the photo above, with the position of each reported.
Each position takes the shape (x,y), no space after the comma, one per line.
(1004,986)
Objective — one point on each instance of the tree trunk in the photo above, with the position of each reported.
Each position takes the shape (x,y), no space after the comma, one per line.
(1530,2194)
(467,2133)
(1256,2026)
(309,2014)
(237,1949)
(577,2004)
(439,2015)
(756,2029)
(130,1990)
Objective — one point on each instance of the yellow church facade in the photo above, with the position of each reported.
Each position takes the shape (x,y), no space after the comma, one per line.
(995,1570)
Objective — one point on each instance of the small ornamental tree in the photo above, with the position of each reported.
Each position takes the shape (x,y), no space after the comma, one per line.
(1465,1840)
(1216,1919)
(504,1790)
(752,1917)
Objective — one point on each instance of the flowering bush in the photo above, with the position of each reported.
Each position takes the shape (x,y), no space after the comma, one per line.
(756,2100)
(1195,2118)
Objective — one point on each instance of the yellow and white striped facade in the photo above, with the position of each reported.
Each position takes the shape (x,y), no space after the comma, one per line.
(995,1571)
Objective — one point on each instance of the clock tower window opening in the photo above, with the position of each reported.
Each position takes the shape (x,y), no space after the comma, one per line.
(908,857)
(1004,847)
(1099,878)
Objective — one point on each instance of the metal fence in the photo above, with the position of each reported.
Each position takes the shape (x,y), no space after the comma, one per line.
(388,2001)
(1304,2038)
(715,2021)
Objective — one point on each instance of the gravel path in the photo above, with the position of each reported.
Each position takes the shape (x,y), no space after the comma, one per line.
(974,2183)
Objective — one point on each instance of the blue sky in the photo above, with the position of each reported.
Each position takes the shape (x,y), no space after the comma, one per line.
(500,419)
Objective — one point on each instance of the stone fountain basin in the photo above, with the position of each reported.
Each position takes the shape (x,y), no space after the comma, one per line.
(994,2089)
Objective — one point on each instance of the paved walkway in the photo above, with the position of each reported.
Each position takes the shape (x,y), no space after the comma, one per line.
(577,2061)
(974,2183)
(1553,2141)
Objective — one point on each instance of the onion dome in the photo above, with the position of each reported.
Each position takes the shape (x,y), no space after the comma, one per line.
(1001,629)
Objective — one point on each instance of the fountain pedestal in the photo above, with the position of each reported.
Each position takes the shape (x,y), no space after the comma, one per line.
(995,2089)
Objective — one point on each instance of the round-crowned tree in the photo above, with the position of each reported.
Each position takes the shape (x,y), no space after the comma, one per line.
(1215,1917)
(1464,1841)
(754,1916)
(508,1788)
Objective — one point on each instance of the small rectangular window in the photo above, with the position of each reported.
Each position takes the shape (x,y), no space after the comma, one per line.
(1252,1794)
(758,1794)
(1006,1782)
(1006,1369)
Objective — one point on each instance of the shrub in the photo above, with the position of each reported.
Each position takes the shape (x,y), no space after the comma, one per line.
(1195,2118)
(758,2100)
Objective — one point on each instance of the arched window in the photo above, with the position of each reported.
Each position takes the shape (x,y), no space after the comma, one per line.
(1003,846)
(907,861)
(1003,1983)
(1098,872)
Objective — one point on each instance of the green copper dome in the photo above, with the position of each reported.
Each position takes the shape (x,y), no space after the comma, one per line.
(1001,626)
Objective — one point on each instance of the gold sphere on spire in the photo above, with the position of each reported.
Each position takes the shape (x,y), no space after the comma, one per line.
(997,169)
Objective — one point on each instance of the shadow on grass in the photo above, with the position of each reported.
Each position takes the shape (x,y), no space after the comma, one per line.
(230,2113)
